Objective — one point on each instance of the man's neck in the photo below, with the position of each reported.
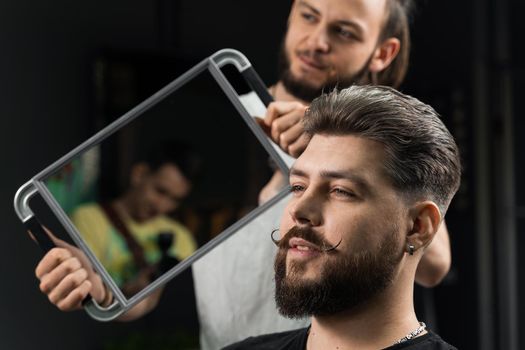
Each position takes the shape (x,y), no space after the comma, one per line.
(123,207)
(376,325)
(279,93)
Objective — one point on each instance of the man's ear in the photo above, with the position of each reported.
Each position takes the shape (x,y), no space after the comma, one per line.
(384,54)
(139,172)
(426,218)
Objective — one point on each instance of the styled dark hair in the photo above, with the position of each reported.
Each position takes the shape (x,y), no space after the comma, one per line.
(421,157)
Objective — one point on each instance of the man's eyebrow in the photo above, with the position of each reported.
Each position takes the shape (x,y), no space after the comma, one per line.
(359,181)
(297,172)
(310,7)
(348,23)
(342,22)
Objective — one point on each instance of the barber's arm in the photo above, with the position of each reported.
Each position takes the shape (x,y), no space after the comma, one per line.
(143,307)
(436,261)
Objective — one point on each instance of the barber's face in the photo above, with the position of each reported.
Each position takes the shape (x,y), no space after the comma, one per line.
(158,192)
(340,193)
(330,40)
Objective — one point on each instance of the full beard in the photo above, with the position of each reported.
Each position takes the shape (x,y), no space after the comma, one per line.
(307,92)
(346,280)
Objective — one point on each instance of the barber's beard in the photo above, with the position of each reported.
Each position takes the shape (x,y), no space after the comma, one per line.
(345,281)
(308,92)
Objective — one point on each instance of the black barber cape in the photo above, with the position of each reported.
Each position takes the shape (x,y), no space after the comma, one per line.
(296,340)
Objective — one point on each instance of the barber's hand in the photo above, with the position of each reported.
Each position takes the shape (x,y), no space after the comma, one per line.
(284,120)
(66,277)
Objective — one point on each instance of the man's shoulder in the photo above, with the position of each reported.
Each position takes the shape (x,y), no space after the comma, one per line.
(87,209)
(429,341)
(295,339)
(164,221)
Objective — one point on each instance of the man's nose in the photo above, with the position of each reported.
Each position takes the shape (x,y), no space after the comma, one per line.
(318,39)
(306,210)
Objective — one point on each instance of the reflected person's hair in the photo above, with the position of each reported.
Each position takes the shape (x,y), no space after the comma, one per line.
(421,157)
(187,160)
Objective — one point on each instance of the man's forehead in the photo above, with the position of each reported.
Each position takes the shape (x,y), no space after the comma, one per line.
(171,179)
(170,172)
(350,10)
(348,155)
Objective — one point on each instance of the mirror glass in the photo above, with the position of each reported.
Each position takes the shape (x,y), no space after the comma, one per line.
(149,195)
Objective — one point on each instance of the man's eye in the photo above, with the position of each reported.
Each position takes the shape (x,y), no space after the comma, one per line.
(296,188)
(343,193)
(161,191)
(345,34)
(308,17)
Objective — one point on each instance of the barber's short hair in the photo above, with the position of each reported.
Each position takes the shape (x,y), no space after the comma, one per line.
(421,157)
(178,153)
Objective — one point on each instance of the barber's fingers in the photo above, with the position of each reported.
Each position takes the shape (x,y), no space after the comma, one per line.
(73,300)
(59,279)
(54,267)
(61,252)
(285,122)
(67,285)
(51,260)
(294,140)
(265,128)
(298,146)
(66,281)
(277,109)
(287,138)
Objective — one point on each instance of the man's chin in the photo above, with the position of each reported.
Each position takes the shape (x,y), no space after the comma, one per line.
(310,81)
(301,91)
(302,271)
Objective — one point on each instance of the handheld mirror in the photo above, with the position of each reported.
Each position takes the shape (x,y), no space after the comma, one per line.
(162,185)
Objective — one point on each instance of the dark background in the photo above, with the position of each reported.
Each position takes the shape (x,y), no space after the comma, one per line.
(466,62)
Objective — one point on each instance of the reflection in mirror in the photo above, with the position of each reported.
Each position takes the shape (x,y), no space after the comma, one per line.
(150,194)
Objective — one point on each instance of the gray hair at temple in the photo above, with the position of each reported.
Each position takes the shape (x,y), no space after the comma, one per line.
(422,159)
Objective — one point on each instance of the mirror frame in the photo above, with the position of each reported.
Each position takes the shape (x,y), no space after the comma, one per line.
(36,185)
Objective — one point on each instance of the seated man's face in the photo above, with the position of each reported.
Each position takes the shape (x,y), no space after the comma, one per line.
(159,192)
(340,193)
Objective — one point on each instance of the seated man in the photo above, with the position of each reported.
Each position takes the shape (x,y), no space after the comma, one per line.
(126,233)
(369,194)
(132,235)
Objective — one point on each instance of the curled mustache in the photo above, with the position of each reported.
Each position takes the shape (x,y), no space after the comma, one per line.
(308,235)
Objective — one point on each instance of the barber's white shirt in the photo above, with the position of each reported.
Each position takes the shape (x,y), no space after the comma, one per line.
(234,283)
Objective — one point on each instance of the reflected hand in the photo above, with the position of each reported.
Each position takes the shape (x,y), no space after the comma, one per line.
(66,277)
(272,188)
(284,119)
